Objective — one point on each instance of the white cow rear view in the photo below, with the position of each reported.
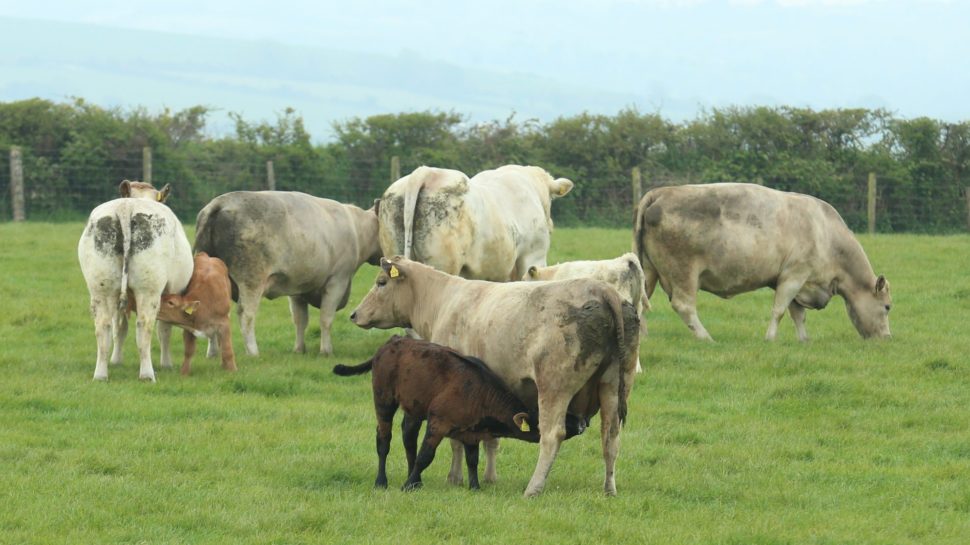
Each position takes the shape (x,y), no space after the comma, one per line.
(134,245)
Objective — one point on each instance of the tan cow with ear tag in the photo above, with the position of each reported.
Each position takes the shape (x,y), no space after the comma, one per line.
(143,190)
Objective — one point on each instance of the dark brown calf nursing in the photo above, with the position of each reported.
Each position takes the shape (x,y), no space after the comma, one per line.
(458,396)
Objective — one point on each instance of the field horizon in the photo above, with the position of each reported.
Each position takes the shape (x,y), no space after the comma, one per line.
(740,441)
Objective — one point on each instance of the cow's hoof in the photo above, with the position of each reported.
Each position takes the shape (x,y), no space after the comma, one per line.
(531,492)
(411,487)
(146,378)
(455,480)
(101,378)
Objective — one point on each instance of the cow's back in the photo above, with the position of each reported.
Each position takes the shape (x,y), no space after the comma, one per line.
(290,239)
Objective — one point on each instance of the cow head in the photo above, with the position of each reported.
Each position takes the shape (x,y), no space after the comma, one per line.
(177,309)
(389,302)
(142,190)
(538,273)
(869,309)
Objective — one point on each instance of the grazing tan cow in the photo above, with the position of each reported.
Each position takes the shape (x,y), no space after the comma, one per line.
(288,243)
(624,274)
(566,347)
(730,238)
(203,310)
(492,227)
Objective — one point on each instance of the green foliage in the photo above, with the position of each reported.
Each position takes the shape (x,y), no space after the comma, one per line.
(75,154)
(837,440)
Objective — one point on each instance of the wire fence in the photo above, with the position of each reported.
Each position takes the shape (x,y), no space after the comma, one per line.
(61,189)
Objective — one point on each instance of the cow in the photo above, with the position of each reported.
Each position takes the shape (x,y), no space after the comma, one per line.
(137,245)
(492,227)
(287,243)
(203,310)
(624,274)
(566,347)
(143,190)
(731,238)
(458,395)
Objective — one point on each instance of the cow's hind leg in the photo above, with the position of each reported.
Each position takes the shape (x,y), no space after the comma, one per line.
(683,299)
(120,330)
(425,456)
(385,421)
(610,432)
(410,427)
(298,310)
(147,303)
(471,460)
(103,310)
(552,426)
(249,299)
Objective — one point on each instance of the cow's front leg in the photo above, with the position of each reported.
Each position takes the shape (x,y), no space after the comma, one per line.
(457,454)
(298,310)
(224,337)
(188,339)
(491,451)
(334,296)
(797,313)
(249,299)
(785,294)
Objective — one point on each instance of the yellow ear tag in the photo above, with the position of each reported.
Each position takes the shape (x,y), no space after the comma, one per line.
(394,273)
(189,309)
(158,197)
(525,426)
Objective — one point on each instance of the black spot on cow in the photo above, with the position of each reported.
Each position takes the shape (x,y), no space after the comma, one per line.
(594,329)
(145,229)
(754,221)
(107,236)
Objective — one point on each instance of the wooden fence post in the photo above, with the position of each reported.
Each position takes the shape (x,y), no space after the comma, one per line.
(395,168)
(636,181)
(871,203)
(146,164)
(17,184)
(270,176)
(966,195)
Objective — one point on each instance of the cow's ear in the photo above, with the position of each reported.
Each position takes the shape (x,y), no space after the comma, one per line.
(561,186)
(533,272)
(377,207)
(521,421)
(191,307)
(163,194)
(124,188)
(882,285)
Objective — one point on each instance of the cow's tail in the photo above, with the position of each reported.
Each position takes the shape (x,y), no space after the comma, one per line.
(348,370)
(123,213)
(615,303)
(650,275)
(412,189)
(203,231)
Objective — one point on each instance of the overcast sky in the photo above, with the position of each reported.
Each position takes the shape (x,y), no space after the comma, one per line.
(912,57)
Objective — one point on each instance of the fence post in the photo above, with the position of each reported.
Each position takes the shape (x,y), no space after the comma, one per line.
(17,184)
(146,164)
(966,195)
(270,176)
(395,168)
(871,203)
(636,181)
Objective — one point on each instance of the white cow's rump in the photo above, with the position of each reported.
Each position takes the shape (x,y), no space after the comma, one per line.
(136,246)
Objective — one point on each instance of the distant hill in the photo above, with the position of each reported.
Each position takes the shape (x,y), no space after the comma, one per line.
(119,67)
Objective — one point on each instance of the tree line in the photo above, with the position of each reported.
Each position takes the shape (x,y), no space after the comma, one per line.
(75,154)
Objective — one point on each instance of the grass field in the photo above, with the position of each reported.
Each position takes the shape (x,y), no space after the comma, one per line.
(833,441)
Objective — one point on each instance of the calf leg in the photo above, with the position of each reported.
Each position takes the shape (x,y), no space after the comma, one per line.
(164,343)
(248,305)
(454,474)
(188,339)
(410,427)
(298,310)
(683,299)
(425,456)
(798,316)
(471,460)
(103,310)
(385,421)
(785,294)
(224,335)
(491,450)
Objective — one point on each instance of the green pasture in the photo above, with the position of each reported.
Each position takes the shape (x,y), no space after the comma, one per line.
(834,441)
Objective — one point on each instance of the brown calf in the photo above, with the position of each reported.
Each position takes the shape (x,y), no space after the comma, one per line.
(203,310)
(458,396)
